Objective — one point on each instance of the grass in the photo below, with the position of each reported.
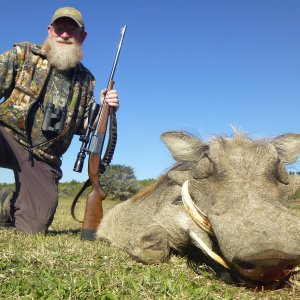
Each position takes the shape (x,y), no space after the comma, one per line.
(61,266)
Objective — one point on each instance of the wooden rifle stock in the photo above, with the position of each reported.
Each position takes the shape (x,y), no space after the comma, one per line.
(94,210)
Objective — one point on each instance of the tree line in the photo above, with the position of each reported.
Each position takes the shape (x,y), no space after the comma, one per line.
(119,182)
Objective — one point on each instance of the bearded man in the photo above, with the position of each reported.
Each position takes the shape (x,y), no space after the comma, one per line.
(46,92)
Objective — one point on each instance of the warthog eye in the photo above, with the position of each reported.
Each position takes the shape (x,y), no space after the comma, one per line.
(282,174)
(204,168)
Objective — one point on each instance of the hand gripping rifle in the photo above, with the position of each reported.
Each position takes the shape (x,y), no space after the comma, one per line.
(96,166)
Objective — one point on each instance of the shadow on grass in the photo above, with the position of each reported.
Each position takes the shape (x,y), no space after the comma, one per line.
(66,231)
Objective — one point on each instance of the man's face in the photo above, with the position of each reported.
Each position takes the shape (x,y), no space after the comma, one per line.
(66,31)
(63,47)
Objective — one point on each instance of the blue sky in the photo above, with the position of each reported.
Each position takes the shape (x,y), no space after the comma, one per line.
(193,65)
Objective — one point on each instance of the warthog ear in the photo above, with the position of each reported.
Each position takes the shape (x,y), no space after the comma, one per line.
(288,147)
(183,146)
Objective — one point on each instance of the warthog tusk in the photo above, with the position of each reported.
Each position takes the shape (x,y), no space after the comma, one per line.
(196,214)
(201,219)
(208,251)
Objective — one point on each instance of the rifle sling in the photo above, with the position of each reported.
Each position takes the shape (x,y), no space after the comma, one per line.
(112,141)
(107,158)
(84,187)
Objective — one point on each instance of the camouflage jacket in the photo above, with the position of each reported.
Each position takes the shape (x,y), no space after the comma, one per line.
(24,75)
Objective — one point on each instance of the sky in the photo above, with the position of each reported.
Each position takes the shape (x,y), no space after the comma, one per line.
(194,65)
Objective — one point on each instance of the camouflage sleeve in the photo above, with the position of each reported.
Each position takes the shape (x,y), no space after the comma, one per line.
(8,65)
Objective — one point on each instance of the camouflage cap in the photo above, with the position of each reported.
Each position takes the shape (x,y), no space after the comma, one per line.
(68,12)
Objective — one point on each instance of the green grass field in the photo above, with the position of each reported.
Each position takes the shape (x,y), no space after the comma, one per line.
(61,266)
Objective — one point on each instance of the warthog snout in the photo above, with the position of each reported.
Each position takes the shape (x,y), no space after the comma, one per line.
(267,266)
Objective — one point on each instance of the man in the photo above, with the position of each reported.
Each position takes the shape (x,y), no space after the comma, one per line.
(47,92)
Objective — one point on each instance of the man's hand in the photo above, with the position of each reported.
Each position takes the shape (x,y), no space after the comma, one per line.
(111,98)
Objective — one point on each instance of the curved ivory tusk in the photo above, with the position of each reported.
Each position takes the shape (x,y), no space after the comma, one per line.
(207,250)
(196,214)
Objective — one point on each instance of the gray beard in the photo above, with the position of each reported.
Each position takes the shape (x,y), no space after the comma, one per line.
(63,57)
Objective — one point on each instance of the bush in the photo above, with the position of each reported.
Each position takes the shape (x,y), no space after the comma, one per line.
(119,182)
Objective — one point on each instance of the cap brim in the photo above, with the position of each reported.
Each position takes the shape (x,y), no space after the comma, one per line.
(69,17)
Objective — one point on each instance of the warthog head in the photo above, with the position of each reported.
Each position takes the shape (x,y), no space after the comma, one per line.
(227,198)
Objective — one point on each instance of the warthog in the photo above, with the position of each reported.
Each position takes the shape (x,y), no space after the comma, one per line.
(238,216)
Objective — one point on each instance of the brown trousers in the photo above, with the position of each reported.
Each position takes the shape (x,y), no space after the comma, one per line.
(36,198)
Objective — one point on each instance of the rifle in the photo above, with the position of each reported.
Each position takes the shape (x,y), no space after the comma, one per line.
(96,166)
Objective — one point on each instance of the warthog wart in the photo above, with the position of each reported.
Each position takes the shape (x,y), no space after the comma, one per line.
(227,198)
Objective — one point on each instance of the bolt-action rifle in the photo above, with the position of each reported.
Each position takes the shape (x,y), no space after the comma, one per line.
(99,115)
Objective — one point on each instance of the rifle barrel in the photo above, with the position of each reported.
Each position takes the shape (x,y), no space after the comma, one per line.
(112,73)
(97,140)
